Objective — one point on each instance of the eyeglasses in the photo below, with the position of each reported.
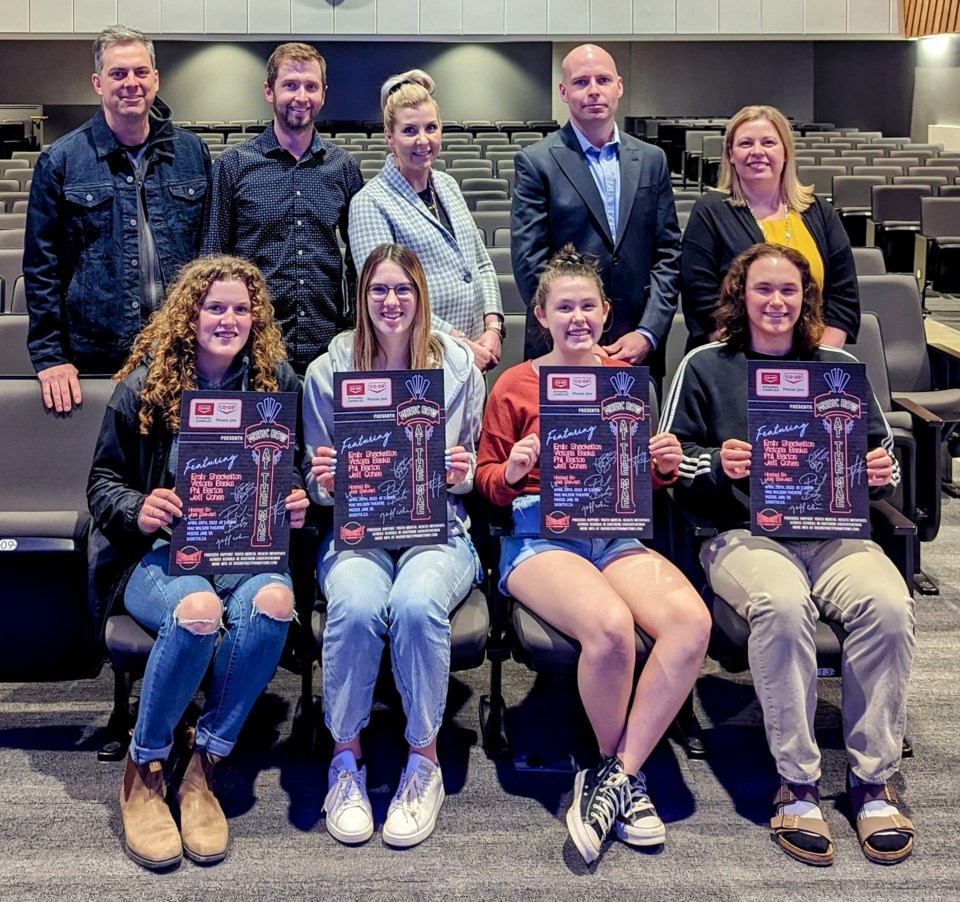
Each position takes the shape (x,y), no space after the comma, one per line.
(404,292)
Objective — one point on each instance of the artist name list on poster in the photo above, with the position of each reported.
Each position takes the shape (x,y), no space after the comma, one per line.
(808,429)
(235,469)
(390,485)
(594,461)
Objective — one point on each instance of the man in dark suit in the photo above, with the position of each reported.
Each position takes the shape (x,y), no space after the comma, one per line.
(609,195)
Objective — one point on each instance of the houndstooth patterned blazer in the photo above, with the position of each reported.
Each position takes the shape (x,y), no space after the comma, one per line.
(460,277)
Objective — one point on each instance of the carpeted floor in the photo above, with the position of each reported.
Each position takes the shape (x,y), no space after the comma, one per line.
(501,834)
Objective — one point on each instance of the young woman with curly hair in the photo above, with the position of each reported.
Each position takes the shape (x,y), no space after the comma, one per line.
(215,331)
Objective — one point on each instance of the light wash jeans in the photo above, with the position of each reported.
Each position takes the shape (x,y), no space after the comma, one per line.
(405,595)
(244,658)
(781,587)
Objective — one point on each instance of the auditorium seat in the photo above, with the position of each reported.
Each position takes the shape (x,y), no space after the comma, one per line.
(852,200)
(50,624)
(868,261)
(500,257)
(13,220)
(937,256)
(489,221)
(894,219)
(12,238)
(14,359)
(922,374)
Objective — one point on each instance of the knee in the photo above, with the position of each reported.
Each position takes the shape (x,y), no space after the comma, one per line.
(787,614)
(414,609)
(890,613)
(199,612)
(611,635)
(693,625)
(276,601)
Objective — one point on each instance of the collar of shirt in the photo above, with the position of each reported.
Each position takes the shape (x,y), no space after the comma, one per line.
(609,149)
(269,144)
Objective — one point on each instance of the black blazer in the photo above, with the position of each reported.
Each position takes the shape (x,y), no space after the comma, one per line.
(718,231)
(556,201)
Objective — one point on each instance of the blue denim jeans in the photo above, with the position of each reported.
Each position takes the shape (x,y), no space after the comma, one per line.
(245,653)
(405,595)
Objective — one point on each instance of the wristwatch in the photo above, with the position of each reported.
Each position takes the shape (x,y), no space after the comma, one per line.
(495,325)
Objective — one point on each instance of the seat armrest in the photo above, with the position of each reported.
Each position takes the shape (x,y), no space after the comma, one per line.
(919,413)
(896,535)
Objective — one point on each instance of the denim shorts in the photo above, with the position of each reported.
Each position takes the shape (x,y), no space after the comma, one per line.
(526,542)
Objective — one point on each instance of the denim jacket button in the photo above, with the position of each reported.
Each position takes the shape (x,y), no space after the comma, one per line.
(191,192)
(89,197)
(129,179)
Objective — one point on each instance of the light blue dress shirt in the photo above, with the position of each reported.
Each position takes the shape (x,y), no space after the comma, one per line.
(604,166)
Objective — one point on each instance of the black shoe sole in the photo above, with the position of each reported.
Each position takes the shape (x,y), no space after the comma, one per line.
(149,863)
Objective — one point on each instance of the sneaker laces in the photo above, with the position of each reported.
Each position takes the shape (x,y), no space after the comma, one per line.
(636,799)
(609,800)
(413,786)
(350,790)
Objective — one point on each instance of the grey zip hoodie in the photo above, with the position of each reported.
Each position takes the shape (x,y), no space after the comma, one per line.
(463,391)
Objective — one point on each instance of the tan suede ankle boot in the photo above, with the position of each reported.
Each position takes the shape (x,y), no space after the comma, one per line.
(150,836)
(203,825)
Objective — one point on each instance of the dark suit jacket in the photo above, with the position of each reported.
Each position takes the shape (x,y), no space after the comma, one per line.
(556,201)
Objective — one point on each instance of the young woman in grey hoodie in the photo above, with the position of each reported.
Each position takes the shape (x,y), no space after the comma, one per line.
(405,594)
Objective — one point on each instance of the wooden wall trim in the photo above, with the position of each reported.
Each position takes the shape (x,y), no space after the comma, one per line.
(925,17)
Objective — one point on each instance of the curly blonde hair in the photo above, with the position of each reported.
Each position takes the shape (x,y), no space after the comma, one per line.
(167,344)
(731,314)
(426,351)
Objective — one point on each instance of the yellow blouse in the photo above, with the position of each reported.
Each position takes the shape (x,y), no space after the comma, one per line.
(775,232)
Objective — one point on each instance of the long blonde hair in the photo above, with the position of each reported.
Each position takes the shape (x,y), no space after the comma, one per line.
(167,346)
(405,91)
(798,197)
(426,351)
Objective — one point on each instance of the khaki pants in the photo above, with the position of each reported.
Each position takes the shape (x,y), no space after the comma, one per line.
(781,587)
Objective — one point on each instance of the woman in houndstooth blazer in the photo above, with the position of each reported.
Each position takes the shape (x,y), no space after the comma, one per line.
(409,204)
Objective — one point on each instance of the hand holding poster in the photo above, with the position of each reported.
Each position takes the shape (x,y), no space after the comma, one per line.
(390,487)
(234,471)
(808,428)
(595,476)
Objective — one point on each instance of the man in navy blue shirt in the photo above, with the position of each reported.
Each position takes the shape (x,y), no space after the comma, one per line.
(280,198)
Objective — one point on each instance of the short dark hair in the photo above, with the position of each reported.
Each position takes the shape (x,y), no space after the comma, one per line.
(294,52)
(120,34)
(731,312)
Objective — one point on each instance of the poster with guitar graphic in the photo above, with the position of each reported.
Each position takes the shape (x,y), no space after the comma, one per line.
(595,479)
(807,424)
(390,488)
(234,469)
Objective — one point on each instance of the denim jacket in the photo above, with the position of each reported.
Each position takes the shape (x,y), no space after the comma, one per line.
(80,263)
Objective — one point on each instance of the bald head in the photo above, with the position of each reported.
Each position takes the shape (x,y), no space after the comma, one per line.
(592,89)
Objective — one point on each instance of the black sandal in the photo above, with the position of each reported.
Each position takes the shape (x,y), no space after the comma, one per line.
(805,838)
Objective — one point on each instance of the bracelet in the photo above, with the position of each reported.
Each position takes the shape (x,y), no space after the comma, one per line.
(495,326)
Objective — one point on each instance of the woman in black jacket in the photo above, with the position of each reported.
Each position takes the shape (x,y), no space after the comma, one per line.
(760,198)
(214,332)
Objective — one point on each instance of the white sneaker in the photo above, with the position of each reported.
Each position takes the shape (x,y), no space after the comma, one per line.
(349,815)
(412,814)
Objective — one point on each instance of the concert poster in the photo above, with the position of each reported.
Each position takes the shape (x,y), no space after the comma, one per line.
(808,427)
(235,463)
(595,479)
(390,487)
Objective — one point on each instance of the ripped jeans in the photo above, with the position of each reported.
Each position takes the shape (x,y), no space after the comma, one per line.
(245,649)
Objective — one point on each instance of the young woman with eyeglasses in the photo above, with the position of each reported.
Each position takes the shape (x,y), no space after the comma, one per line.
(404,595)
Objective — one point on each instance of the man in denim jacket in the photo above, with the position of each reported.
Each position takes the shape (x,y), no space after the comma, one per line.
(116,207)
